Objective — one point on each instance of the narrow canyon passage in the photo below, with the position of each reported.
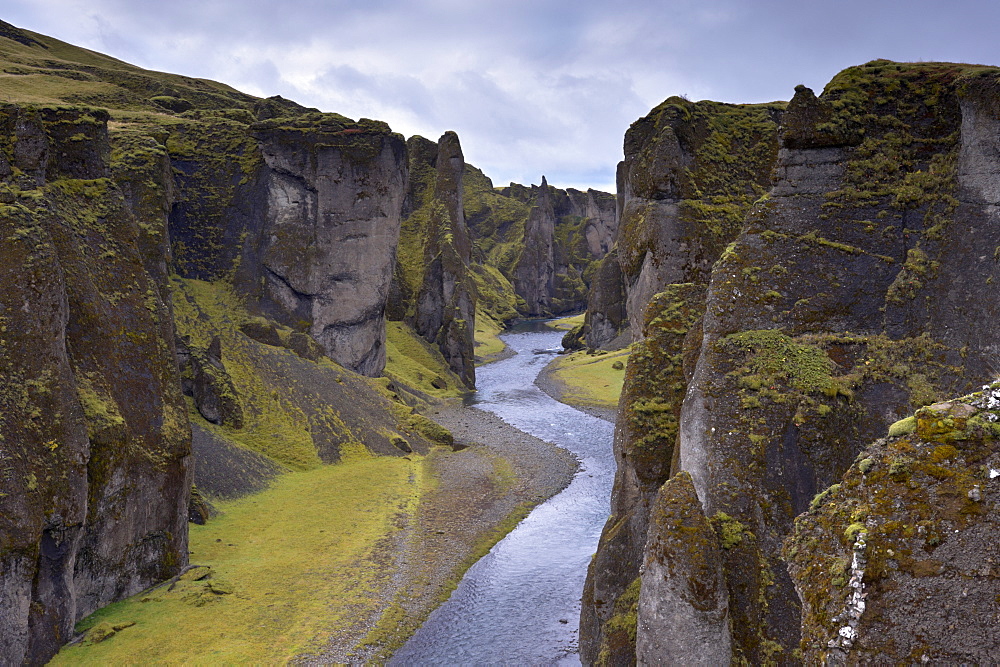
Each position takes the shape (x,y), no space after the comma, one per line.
(521,602)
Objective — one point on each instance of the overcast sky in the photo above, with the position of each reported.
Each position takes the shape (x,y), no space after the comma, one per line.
(531,86)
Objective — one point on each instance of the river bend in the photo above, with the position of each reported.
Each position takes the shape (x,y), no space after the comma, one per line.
(520,604)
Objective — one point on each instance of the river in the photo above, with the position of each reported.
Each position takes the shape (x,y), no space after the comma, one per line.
(520,604)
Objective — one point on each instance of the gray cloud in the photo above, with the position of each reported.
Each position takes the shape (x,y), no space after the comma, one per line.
(531,87)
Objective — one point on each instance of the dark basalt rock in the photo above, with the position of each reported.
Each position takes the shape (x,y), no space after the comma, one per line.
(905,541)
(683,611)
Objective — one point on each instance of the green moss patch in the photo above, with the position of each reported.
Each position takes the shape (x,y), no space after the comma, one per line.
(415,363)
(568,323)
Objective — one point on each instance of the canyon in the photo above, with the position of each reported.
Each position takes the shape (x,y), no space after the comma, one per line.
(206,290)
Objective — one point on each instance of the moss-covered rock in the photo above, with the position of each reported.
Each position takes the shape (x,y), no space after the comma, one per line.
(905,541)
(433,287)
(683,608)
(831,316)
(835,311)
(94,435)
(644,448)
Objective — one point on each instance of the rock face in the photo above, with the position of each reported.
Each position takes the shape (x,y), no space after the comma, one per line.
(855,291)
(94,435)
(326,249)
(565,234)
(683,609)
(534,273)
(520,251)
(433,288)
(898,562)
(690,173)
(303,210)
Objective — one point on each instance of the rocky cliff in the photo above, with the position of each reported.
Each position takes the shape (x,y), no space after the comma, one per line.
(897,562)
(433,288)
(839,307)
(94,434)
(690,173)
(210,244)
(302,211)
(522,251)
(566,233)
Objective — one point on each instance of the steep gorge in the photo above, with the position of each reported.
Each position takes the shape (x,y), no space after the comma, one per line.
(197,274)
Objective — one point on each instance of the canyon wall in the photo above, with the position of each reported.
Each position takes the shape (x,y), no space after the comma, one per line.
(692,171)
(433,289)
(94,433)
(855,291)
(302,212)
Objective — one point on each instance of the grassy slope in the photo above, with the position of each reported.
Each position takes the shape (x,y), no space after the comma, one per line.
(48,71)
(417,364)
(296,570)
(487,338)
(588,380)
(567,323)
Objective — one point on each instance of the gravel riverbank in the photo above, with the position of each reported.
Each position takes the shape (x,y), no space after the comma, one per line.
(494,479)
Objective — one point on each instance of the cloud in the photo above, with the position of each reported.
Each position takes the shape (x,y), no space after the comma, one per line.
(531,87)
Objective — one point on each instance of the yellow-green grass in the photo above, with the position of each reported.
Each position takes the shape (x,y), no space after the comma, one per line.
(301,559)
(590,379)
(567,323)
(488,345)
(414,362)
(39,73)
(203,310)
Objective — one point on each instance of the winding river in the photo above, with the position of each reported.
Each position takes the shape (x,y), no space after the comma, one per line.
(520,604)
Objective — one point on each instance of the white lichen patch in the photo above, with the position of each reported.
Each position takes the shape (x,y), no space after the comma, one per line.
(851,616)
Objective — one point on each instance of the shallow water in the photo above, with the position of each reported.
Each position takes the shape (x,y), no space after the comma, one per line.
(520,604)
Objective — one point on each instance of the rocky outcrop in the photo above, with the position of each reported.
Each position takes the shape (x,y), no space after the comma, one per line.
(566,233)
(606,319)
(534,273)
(898,561)
(205,379)
(94,435)
(326,249)
(836,311)
(690,173)
(683,611)
(303,211)
(433,289)
(645,450)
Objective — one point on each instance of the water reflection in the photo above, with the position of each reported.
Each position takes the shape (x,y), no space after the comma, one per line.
(521,602)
